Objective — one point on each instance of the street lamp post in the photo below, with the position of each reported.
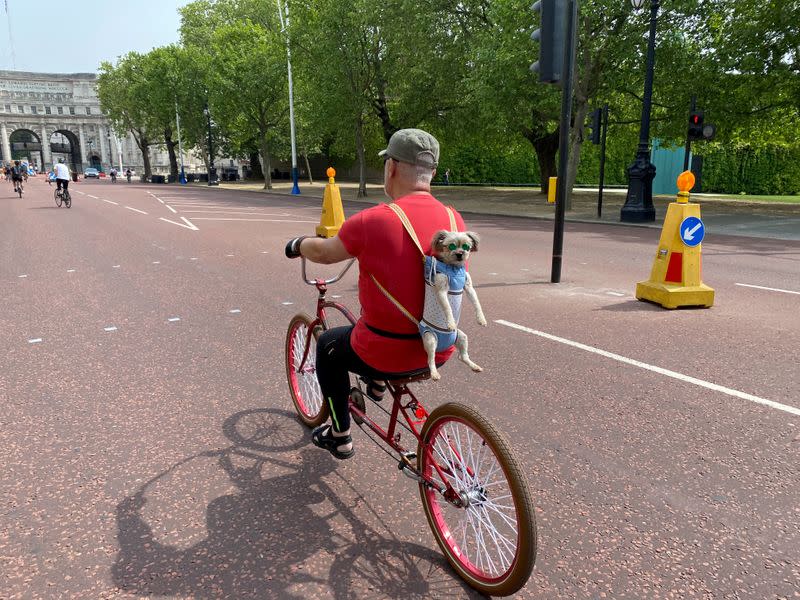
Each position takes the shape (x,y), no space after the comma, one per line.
(638,206)
(284,25)
(212,172)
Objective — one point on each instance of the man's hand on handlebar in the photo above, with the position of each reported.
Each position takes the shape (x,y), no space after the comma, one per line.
(292,249)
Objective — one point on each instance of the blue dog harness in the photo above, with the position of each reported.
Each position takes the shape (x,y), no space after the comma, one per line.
(433,318)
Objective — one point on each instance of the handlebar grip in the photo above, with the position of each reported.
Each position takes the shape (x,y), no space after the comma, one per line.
(292,249)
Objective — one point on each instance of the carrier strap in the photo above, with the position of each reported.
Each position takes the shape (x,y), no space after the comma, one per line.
(413,234)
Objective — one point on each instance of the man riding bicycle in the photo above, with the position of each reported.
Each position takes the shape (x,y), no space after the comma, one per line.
(62,175)
(384,343)
(16,175)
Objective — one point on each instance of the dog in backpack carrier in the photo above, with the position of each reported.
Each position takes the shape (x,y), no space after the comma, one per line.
(446,281)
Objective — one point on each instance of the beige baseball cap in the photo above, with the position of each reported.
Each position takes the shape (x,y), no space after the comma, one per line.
(413,146)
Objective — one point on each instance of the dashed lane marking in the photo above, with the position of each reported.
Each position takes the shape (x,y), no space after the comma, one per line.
(679,376)
(22,276)
(769,289)
(136,210)
(156,262)
(193,258)
(115,266)
(35,341)
(615,293)
(173,319)
(287,303)
(109,201)
(111,328)
(70,270)
(235,311)
(172,209)
(90,196)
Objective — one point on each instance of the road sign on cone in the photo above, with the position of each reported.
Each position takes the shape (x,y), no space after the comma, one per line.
(332,211)
(675,279)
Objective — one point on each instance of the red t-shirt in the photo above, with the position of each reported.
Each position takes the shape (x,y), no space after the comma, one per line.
(385,250)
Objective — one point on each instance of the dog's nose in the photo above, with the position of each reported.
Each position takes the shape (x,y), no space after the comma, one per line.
(460,255)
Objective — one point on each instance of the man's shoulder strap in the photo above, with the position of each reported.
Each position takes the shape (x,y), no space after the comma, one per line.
(410,228)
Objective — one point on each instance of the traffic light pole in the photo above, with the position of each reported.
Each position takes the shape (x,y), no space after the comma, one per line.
(563,141)
(688,150)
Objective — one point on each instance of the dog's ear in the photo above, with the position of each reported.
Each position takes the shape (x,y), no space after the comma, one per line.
(438,239)
(475,240)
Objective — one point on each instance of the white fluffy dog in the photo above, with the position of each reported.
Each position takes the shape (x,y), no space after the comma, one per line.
(446,280)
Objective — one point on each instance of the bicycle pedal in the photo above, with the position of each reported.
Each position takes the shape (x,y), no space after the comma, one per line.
(409,456)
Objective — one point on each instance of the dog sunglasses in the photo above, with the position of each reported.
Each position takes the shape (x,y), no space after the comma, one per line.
(463,246)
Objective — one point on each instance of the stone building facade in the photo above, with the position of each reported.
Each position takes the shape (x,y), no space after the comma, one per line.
(47,116)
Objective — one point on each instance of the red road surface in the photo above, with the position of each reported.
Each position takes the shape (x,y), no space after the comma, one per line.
(162,457)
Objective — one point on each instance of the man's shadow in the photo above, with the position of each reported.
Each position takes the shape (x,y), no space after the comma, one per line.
(258,538)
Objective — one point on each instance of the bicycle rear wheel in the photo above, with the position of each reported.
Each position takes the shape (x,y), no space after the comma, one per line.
(490,540)
(306,393)
(67,199)
(57,198)
(19,190)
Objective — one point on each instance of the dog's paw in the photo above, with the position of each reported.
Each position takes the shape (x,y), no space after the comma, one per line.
(481,320)
(452,325)
(435,375)
(476,368)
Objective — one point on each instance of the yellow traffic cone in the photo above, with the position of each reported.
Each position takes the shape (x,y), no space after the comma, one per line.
(332,211)
(675,279)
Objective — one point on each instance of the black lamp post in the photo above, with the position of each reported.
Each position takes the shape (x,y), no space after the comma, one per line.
(638,206)
(212,171)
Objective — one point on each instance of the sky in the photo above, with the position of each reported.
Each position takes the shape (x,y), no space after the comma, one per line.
(75,36)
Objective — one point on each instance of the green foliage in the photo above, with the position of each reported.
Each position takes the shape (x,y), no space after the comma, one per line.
(771,169)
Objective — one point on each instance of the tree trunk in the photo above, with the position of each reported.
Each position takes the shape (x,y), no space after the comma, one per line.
(362,159)
(382,110)
(255,167)
(265,161)
(308,169)
(173,159)
(546,147)
(144,146)
(575,140)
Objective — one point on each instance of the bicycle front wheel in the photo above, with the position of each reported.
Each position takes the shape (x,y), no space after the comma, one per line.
(487,527)
(302,378)
(57,198)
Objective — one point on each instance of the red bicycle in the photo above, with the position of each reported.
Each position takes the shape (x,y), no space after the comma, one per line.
(474,493)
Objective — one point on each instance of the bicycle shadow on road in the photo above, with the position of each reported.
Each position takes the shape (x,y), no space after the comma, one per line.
(255,520)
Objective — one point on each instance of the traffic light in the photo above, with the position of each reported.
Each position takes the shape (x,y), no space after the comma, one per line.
(695,125)
(551,36)
(595,125)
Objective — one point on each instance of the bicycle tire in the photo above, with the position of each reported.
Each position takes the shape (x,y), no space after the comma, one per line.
(67,200)
(19,190)
(306,393)
(450,432)
(57,198)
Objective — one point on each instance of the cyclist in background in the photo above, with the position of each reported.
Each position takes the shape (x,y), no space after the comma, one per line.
(62,175)
(16,175)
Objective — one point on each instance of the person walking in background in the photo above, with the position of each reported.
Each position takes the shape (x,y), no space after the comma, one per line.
(447,176)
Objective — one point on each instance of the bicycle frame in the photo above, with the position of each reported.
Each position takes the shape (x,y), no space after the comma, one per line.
(414,413)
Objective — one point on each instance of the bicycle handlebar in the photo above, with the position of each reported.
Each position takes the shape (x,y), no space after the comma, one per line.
(325,281)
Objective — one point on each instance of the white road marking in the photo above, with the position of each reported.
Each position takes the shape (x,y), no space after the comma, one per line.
(136,210)
(235,310)
(21,276)
(188,224)
(172,209)
(229,255)
(156,262)
(112,328)
(236,212)
(679,376)
(70,270)
(173,319)
(34,340)
(115,266)
(264,220)
(492,273)
(336,296)
(615,294)
(109,201)
(769,289)
(264,252)
(90,196)
(80,192)
(193,258)
(287,303)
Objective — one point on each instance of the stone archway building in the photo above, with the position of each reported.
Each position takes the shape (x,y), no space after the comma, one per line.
(45,104)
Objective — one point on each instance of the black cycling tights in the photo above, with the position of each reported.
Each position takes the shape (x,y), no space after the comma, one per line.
(335,361)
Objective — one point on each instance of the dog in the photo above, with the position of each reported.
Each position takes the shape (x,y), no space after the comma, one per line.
(446,280)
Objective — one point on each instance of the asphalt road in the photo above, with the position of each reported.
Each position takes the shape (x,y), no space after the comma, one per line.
(150,449)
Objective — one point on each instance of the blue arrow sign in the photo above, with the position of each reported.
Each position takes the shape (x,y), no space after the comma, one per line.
(692,231)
